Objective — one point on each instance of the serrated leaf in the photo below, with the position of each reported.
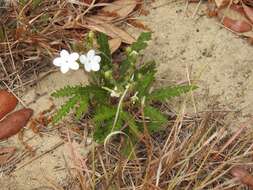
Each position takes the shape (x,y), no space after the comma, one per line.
(141,42)
(145,77)
(144,84)
(102,131)
(83,107)
(124,66)
(169,92)
(133,127)
(157,119)
(65,108)
(148,67)
(66,91)
(104,113)
(96,93)
(106,58)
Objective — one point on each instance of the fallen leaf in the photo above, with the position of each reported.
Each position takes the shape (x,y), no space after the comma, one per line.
(110,30)
(138,24)
(8,102)
(14,122)
(221,3)
(119,8)
(239,26)
(114,44)
(248,11)
(242,175)
(238,8)
(248,2)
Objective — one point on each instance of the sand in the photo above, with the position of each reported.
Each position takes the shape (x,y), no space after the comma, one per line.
(198,49)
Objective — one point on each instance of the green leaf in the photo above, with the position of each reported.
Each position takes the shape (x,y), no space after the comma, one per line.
(169,92)
(133,127)
(96,93)
(65,108)
(141,42)
(102,131)
(145,77)
(148,67)
(66,91)
(124,66)
(157,119)
(104,113)
(106,58)
(83,107)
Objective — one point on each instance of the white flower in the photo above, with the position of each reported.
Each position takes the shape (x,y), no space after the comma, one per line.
(67,61)
(91,61)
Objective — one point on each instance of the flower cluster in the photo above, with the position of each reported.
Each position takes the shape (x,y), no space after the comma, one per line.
(68,61)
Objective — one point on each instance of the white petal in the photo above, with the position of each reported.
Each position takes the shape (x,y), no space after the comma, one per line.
(64,69)
(83,59)
(97,59)
(74,56)
(91,54)
(57,61)
(64,54)
(95,66)
(74,66)
(87,67)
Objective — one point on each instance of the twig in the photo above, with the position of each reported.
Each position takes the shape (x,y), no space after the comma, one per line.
(196,9)
(39,156)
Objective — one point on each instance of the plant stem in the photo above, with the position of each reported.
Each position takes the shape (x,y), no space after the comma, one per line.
(119,106)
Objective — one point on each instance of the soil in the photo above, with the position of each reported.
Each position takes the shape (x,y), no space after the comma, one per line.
(185,48)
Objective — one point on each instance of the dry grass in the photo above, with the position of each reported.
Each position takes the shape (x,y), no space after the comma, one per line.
(191,153)
(32,33)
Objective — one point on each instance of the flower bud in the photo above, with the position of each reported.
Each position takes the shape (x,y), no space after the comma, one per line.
(91,35)
(108,74)
(139,76)
(128,50)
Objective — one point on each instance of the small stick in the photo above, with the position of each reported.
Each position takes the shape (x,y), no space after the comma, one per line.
(39,156)
(237,133)
(186,7)
(197,9)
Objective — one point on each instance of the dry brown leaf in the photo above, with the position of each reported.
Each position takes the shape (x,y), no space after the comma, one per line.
(114,44)
(138,24)
(125,37)
(14,122)
(110,30)
(239,26)
(242,175)
(221,3)
(248,11)
(238,8)
(8,102)
(248,2)
(103,18)
(119,8)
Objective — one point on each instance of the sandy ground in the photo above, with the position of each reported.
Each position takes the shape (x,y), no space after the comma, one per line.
(212,57)
(197,48)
